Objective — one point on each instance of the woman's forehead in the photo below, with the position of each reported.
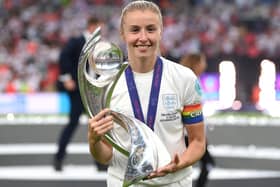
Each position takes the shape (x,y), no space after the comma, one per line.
(141,12)
(144,15)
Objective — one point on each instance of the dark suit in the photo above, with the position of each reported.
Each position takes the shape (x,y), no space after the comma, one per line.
(68,63)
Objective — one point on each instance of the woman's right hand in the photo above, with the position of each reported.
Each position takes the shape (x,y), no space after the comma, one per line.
(99,125)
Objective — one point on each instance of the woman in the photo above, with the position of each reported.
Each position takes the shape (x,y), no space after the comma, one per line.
(141,29)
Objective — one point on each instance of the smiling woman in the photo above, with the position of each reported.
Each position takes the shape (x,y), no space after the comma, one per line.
(146,91)
(143,38)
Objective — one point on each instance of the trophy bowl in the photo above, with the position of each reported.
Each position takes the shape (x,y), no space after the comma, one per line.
(105,58)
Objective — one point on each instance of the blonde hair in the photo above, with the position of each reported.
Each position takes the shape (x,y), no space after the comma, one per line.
(140,5)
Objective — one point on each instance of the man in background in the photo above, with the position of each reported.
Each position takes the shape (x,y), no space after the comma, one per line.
(68,82)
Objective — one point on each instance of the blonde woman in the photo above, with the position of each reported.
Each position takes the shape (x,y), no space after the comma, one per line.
(159,88)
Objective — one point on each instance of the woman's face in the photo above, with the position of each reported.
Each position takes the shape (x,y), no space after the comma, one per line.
(141,31)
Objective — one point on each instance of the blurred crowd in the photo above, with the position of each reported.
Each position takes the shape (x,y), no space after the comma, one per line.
(32,33)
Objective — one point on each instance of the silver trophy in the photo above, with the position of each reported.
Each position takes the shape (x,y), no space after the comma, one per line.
(100,66)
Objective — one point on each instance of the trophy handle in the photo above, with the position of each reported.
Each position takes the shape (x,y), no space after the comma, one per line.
(91,95)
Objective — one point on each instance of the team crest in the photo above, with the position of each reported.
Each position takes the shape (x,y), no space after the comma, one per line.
(170,102)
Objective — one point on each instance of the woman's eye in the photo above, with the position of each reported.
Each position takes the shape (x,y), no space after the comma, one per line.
(151,29)
(134,29)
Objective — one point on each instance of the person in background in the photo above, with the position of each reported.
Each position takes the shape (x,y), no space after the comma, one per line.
(171,109)
(197,63)
(68,82)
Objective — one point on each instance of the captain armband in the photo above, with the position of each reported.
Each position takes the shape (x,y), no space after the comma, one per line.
(192,114)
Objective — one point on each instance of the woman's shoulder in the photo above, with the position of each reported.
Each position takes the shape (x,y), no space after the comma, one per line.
(176,69)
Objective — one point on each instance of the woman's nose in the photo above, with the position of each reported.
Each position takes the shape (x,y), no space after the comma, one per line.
(143,35)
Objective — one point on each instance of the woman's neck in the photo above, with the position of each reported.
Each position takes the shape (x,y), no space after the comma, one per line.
(142,65)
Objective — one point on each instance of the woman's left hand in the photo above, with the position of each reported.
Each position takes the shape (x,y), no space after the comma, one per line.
(169,168)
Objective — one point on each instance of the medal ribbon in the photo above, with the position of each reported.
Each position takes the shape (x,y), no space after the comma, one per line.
(134,97)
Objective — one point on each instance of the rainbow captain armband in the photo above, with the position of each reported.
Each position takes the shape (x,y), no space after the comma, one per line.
(192,114)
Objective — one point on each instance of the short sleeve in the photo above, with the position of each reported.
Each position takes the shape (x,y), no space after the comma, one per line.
(192,109)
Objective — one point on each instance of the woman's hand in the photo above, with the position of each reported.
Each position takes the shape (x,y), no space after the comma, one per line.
(172,167)
(99,125)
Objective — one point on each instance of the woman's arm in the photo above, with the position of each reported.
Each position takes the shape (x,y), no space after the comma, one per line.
(196,147)
(192,154)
